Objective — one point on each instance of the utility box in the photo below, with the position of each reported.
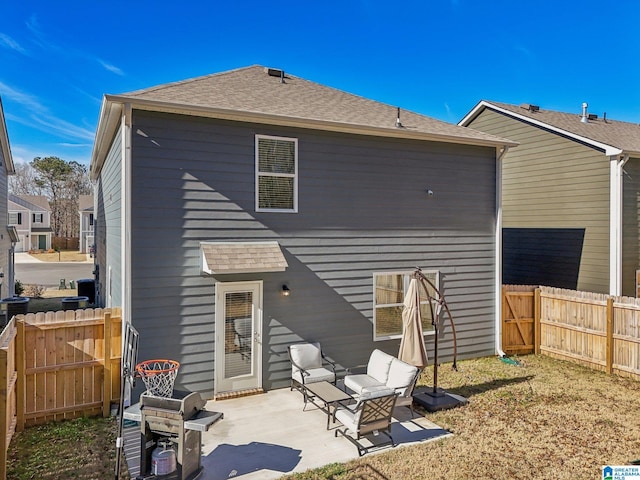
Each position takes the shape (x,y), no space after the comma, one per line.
(11,306)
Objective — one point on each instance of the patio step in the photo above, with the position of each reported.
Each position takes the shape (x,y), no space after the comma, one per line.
(238,394)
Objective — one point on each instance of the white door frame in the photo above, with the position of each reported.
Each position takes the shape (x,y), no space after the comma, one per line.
(254,378)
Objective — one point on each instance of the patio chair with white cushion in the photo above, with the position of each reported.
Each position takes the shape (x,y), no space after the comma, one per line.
(371,415)
(308,366)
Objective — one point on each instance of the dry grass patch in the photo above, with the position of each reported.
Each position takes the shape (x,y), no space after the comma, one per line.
(62,256)
(545,419)
(82,449)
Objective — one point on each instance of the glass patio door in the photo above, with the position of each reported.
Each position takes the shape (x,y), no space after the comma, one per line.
(238,346)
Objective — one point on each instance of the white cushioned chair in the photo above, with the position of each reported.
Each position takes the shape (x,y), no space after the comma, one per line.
(370,415)
(386,372)
(309,365)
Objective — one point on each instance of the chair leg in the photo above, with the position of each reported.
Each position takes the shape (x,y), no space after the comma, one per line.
(362,450)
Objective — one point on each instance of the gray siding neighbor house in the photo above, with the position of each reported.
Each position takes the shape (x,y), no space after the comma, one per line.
(8,235)
(240,212)
(570,197)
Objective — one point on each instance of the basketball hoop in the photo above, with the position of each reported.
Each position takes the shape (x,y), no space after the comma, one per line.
(158,376)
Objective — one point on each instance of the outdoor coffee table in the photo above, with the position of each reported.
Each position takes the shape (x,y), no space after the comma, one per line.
(329,394)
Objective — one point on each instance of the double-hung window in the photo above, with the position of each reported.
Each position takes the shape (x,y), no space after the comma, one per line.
(276,174)
(389,290)
(37,217)
(15,218)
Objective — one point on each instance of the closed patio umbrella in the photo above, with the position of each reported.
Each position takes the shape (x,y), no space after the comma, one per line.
(412,349)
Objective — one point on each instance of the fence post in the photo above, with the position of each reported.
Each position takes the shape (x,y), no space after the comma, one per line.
(536,321)
(106,372)
(20,369)
(609,351)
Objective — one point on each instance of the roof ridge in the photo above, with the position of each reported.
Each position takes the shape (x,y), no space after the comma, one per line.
(608,119)
(163,86)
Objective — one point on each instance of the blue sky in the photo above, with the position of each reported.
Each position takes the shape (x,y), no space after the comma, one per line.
(435,57)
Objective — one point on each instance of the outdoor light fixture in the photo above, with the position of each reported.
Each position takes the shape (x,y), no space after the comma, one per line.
(285,291)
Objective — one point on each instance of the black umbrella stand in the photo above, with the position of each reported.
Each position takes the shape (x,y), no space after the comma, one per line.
(434,399)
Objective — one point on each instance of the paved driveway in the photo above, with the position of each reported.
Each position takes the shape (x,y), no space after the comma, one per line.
(31,271)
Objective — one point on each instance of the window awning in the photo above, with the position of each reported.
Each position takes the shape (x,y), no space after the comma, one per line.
(241,257)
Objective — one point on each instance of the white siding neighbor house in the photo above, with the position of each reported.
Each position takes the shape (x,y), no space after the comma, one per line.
(85,206)
(31,216)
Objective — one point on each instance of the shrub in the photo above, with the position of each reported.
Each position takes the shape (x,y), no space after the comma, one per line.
(19,288)
(34,291)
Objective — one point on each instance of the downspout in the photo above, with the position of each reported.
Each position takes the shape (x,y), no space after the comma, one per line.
(126,214)
(498,253)
(12,271)
(617,164)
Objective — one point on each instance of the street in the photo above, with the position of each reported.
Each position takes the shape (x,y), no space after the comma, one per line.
(48,274)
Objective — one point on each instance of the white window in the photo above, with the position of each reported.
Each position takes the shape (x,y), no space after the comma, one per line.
(276,174)
(389,290)
(38,217)
(15,218)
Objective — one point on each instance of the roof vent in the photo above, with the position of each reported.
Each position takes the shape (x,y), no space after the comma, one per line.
(275,72)
(585,118)
(531,108)
(592,116)
(398,122)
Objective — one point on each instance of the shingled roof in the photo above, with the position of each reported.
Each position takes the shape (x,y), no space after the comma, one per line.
(611,136)
(271,96)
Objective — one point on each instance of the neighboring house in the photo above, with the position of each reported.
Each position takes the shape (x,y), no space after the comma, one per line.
(31,215)
(216,193)
(8,236)
(570,197)
(85,206)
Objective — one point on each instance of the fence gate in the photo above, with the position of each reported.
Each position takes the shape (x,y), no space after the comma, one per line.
(518,329)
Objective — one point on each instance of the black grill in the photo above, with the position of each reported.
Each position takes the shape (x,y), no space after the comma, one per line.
(182,419)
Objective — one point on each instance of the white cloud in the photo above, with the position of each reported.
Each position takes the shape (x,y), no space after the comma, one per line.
(8,42)
(110,67)
(27,101)
(38,116)
(57,126)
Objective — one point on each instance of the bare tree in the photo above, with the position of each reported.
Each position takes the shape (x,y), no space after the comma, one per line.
(24,181)
(62,183)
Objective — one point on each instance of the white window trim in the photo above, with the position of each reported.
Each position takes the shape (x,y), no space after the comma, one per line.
(406,280)
(267,174)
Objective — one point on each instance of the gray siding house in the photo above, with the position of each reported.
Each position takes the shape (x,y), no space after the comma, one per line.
(8,235)
(570,201)
(240,212)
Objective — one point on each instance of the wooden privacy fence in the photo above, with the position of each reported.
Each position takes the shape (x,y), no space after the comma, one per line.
(596,330)
(57,365)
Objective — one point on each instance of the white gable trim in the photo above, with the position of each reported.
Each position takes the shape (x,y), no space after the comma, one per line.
(609,150)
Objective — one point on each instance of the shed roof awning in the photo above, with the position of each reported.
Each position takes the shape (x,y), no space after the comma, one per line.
(241,257)
(13,234)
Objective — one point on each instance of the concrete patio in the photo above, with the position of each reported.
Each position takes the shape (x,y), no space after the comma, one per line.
(269,435)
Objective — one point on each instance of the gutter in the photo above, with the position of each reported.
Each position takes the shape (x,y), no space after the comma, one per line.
(112,103)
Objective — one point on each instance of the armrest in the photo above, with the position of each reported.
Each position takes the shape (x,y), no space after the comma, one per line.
(332,364)
(357,370)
